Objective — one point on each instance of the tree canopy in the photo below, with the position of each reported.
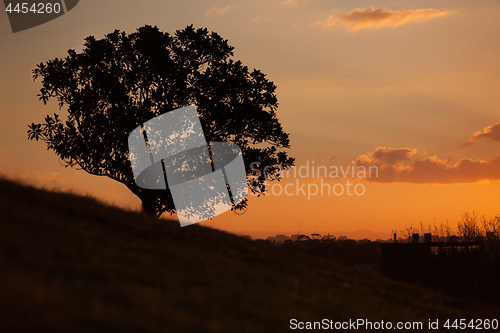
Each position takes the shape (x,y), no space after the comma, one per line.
(119,82)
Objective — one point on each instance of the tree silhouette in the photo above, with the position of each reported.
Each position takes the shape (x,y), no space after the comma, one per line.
(117,83)
(468,227)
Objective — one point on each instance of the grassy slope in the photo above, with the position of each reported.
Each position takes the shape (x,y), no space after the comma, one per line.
(69,263)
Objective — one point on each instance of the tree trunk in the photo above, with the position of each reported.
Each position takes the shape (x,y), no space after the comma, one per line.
(149,205)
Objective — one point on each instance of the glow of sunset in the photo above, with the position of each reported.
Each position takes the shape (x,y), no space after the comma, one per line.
(410,88)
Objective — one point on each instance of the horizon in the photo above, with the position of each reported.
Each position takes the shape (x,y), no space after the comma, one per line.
(337,234)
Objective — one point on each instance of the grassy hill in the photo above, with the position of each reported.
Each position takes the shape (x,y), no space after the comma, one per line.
(71,264)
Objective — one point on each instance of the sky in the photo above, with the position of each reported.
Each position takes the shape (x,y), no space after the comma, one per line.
(409,87)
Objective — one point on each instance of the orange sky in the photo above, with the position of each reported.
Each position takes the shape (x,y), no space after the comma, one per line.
(409,86)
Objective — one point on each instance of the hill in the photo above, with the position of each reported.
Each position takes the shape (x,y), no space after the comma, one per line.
(71,264)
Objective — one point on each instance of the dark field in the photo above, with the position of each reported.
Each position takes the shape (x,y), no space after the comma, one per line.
(71,264)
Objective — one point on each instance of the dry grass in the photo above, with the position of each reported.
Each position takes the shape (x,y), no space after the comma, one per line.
(71,264)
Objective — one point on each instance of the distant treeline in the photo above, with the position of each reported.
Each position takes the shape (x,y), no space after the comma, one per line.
(464,263)
(471,227)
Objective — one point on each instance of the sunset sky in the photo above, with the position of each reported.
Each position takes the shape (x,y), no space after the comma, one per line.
(411,87)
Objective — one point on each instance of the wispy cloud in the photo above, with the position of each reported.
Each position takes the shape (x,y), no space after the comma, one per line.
(379,17)
(389,156)
(490,133)
(215,11)
(289,2)
(396,166)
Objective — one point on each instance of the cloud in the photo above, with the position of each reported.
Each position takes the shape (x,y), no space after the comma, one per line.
(217,11)
(379,17)
(490,133)
(432,170)
(289,2)
(384,155)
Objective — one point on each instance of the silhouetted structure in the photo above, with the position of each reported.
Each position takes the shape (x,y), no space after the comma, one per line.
(462,269)
(405,258)
(415,238)
(427,238)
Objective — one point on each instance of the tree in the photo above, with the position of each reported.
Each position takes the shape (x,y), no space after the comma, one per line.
(468,227)
(119,82)
(492,227)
